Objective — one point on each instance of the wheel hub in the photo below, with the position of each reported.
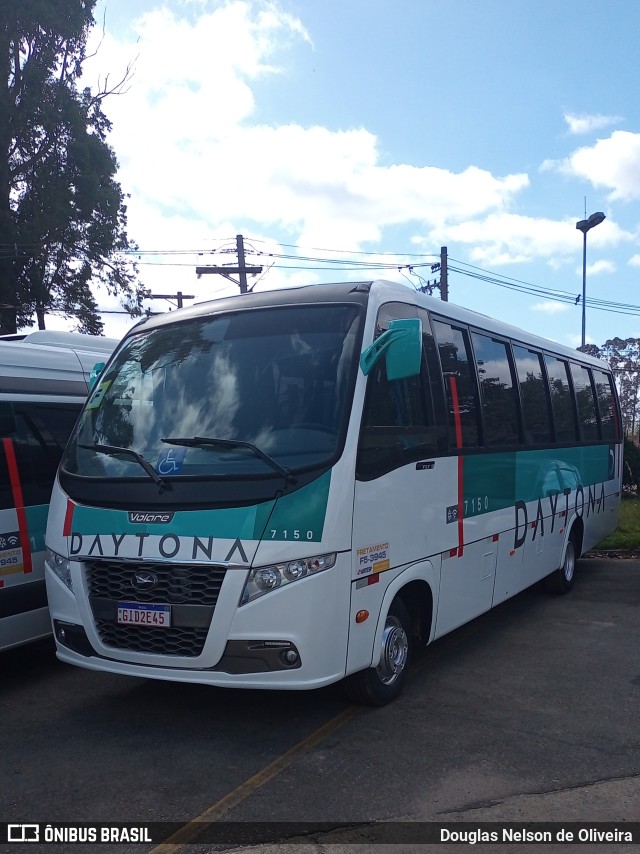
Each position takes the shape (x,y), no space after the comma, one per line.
(395,651)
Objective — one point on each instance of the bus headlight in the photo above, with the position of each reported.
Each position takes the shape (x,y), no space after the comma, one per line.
(266,578)
(61,566)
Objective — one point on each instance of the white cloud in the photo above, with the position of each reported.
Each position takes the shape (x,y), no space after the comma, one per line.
(579,124)
(613,163)
(506,238)
(197,165)
(599,268)
(550,307)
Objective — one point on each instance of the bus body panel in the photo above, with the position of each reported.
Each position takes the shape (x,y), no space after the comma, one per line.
(99,533)
(316,623)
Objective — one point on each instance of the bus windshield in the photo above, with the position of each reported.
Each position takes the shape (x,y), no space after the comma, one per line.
(240,394)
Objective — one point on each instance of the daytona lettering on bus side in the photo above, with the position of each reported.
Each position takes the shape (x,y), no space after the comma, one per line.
(581,505)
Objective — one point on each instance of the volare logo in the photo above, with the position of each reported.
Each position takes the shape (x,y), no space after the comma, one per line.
(148,517)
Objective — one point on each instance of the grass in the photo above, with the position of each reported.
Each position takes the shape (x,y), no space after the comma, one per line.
(627,534)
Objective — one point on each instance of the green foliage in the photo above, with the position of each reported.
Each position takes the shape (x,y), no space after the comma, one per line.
(631,474)
(627,534)
(623,356)
(62,213)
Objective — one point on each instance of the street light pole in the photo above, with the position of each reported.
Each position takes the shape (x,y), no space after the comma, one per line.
(584,225)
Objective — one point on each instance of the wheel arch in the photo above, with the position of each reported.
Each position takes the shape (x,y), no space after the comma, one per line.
(415,588)
(575,532)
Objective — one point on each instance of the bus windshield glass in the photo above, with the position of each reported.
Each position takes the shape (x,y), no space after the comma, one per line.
(259,392)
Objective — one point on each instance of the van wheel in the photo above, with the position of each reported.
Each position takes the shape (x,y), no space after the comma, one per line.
(561,581)
(379,685)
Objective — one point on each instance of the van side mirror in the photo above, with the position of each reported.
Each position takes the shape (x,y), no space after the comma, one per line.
(96,370)
(402,344)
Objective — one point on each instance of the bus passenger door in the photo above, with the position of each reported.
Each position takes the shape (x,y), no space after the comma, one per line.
(403,484)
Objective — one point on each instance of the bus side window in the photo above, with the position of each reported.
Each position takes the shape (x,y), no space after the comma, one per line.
(561,400)
(40,437)
(7,430)
(497,391)
(606,406)
(432,379)
(536,415)
(398,424)
(585,400)
(460,385)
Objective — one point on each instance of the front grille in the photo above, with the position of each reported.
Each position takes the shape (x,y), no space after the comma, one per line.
(177,583)
(191,590)
(173,641)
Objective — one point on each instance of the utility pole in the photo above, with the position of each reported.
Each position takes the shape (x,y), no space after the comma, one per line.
(444,275)
(179,296)
(241,270)
(443,284)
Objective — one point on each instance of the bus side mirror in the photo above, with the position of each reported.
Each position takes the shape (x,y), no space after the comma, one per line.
(96,370)
(402,344)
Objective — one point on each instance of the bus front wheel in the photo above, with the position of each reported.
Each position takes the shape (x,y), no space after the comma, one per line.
(561,581)
(381,684)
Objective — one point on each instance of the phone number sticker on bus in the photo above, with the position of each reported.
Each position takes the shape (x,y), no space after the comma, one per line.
(371,559)
(11,559)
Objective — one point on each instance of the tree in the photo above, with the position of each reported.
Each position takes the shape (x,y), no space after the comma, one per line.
(623,356)
(63,216)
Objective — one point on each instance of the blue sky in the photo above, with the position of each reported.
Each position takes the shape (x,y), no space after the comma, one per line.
(328,129)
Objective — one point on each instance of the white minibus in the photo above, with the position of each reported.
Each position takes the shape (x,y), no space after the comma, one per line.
(286,489)
(44,380)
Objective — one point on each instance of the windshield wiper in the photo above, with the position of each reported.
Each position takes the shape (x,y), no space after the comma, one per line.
(115,451)
(200,441)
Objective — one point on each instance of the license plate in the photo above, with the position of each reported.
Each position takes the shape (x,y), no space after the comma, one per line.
(137,614)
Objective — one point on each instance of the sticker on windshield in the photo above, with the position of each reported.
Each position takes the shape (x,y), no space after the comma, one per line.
(96,398)
(170,461)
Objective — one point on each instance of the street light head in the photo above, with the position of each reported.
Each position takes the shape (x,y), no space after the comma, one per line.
(595,219)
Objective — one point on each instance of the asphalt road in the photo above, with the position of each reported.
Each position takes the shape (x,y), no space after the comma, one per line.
(529,713)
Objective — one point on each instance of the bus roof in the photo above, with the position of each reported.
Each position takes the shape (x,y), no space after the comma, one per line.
(57,363)
(379,291)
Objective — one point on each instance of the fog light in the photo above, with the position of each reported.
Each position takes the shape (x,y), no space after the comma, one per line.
(289,657)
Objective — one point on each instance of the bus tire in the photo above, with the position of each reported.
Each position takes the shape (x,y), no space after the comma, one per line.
(377,686)
(561,580)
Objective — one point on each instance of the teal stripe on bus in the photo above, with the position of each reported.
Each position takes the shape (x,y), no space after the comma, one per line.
(495,481)
(303,510)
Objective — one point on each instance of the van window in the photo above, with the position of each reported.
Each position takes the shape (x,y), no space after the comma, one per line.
(39,437)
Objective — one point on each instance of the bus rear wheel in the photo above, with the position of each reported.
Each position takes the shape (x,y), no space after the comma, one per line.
(561,581)
(381,684)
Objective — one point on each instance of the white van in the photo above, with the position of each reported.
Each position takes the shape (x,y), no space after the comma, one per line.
(44,380)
